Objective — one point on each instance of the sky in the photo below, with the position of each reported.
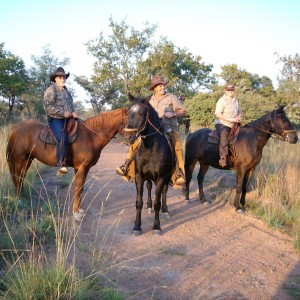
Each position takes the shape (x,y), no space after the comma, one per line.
(246,33)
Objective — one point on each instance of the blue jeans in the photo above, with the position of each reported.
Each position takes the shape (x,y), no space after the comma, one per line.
(58,128)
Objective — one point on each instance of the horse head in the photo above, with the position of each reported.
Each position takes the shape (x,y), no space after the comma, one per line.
(140,116)
(281,125)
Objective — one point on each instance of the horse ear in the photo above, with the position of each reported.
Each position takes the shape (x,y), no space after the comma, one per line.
(282,108)
(131,98)
(147,99)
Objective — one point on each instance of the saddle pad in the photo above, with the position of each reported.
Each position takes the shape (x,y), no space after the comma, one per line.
(46,136)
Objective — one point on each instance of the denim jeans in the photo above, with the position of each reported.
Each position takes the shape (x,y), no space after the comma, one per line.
(223,132)
(58,129)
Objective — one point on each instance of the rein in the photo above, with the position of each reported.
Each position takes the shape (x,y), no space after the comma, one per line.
(97,133)
(273,134)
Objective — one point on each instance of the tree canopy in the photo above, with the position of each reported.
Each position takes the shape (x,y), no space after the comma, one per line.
(128,58)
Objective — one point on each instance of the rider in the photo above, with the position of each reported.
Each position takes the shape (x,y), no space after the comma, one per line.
(58,104)
(227,113)
(168,108)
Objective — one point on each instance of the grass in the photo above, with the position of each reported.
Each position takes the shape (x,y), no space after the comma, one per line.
(276,181)
(38,244)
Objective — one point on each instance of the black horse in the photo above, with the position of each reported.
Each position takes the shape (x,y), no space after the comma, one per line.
(154,160)
(248,152)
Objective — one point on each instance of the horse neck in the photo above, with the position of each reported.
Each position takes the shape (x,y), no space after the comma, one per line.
(263,129)
(106,123)
(154,123)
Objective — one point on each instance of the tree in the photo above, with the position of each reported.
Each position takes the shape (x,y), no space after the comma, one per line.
(39,73)
(126,61)
(247,81)
(13,81)
(186,73)
(289,82)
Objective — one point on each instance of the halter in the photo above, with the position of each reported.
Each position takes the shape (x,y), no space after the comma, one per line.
(277,133)
(143,127)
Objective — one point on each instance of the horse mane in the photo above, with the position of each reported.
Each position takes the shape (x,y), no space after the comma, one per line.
(153,115)
(263,118)
(98,120)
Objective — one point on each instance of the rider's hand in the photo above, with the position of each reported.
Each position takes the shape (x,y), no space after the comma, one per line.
(236,120)
(74,115)
(67,114)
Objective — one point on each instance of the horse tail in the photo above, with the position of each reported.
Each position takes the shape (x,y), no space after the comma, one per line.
(10,158)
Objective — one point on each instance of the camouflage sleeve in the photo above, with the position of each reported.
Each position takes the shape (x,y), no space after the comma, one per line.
(71,102)
(50,104)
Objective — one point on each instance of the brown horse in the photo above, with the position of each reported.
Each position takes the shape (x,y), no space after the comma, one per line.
(93,135)
(251,140)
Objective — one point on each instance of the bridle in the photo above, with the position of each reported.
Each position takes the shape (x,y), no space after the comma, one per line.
(276,133)
(143,127)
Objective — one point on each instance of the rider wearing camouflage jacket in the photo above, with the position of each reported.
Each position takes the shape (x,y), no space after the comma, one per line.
(58,104)
(57,100)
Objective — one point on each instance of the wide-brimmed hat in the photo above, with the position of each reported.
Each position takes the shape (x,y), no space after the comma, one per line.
(156,81)
(229,87)
(59,72)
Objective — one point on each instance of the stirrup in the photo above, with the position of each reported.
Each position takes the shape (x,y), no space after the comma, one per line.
(180,179)
(123,169)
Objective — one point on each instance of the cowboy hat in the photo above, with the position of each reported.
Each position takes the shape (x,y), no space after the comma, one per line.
(59,72)
(229,87)
(156,81)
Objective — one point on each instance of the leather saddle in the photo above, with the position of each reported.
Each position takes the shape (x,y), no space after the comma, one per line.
(213,138)
(47,137)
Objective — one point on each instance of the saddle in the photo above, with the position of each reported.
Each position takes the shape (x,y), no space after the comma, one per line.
(213,138)
(47,137)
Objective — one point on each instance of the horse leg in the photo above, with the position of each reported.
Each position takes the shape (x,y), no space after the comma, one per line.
(139,183)
(149,200)
(200,177)
(21,167)
(80,177)
(240,174)
(189,168)
(157,205)
(164,208)
(246,181)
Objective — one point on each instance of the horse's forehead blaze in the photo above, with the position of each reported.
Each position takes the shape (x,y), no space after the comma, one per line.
(135,108)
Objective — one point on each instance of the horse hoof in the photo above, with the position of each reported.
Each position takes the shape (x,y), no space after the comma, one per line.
(156,231)
(166,215)
(240,211)
(77,216)
(136,232)
(149,209)
(187,201)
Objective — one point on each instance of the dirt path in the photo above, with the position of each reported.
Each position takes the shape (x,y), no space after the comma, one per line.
(204,252)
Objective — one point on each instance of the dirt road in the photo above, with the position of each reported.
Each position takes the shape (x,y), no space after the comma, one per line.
(204,252)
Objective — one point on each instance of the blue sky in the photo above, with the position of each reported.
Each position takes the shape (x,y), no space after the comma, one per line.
(246,33)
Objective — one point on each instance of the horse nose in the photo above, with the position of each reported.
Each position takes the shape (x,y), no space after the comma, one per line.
(292,139)
(130,138)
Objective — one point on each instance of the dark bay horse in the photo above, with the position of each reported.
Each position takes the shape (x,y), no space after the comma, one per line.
(93,135)
(251,140)
(154,159)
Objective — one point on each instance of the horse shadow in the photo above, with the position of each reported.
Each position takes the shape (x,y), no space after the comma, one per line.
(290,288)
